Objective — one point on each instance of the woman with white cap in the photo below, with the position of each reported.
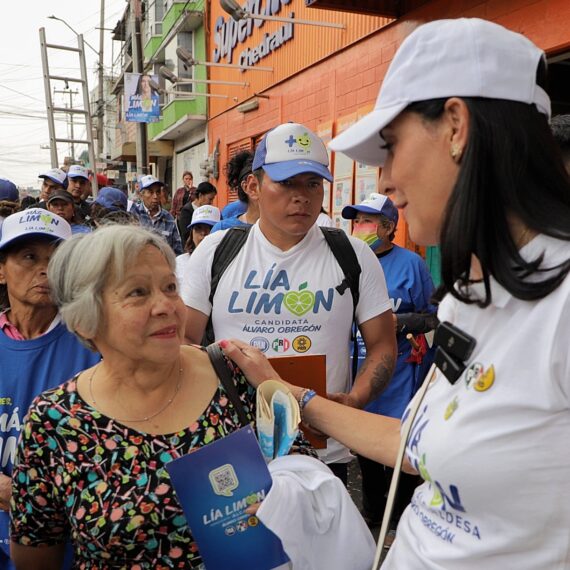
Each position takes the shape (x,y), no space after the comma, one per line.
(37,351)
(203,219)
(461,131)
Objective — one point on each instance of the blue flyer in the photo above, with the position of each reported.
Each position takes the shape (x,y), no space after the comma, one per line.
(215,484)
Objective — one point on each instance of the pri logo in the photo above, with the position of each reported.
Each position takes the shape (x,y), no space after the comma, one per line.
(260,343)
(299,302)
(280,345)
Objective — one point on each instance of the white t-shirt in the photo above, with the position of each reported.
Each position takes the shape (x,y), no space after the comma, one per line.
(285,302)
(324,221)
(181,265)
(495,455)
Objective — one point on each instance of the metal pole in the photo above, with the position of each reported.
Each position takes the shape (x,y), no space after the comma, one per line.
(100,94)
(49,103)
(141,142)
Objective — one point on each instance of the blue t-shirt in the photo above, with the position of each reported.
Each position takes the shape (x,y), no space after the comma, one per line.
(234,209)
(28,368)
(410,288)
(229,223)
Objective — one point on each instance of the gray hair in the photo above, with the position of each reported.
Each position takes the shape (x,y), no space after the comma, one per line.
(80,269)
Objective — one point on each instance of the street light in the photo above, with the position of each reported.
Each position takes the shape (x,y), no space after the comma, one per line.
(52,17)
(188,60)
(238,13)
(168,74)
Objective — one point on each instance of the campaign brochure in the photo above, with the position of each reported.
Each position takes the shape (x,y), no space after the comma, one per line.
(278,419)
(215,484)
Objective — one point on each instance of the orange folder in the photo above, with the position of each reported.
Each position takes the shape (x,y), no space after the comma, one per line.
(308,371)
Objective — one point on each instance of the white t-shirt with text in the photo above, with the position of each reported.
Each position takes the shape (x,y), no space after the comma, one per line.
(494,447)
(285,302)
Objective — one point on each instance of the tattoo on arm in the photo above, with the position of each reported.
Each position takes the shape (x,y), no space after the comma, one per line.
(381,376)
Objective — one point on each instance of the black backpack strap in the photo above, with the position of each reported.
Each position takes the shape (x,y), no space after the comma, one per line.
(225,253)
(346,257)
(221,367)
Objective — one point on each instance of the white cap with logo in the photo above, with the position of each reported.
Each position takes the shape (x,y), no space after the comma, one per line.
(291,149)
(466,57)
(209,215)
(33,223)
(78,171)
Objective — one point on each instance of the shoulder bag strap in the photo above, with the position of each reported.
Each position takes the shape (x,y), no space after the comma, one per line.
(220,366)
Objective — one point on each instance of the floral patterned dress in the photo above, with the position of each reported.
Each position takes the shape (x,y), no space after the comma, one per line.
(82,476)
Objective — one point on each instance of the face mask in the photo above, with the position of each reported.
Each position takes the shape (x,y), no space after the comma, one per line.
(367,233)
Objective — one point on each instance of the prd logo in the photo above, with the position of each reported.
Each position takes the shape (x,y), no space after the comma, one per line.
(280,345)
(299,302)
(260,343)
(301,343)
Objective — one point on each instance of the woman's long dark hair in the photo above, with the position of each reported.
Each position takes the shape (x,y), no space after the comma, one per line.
(511,166)
(237,169)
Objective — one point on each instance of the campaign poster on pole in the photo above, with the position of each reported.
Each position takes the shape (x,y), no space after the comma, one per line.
(142,100)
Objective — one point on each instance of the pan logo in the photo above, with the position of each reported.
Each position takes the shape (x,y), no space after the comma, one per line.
(260,343)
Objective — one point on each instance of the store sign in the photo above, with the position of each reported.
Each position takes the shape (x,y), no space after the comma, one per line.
(228,33)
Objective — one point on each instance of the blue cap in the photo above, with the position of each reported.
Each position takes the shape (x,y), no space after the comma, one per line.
(291,149)
(374,204)
(112,198)
(8,190)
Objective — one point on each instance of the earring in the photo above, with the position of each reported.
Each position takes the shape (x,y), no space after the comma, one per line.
(455,152)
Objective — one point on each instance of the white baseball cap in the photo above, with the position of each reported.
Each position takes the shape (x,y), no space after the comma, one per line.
(78,171)
(149,180)
(32,223)
(374,204)
(56,175)
(209,215)
(466,57)
(291,149)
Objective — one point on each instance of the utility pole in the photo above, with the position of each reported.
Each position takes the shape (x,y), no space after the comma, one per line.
(141,139)
(100,94)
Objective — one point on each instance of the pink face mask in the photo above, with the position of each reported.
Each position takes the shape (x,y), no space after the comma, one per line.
(367,233)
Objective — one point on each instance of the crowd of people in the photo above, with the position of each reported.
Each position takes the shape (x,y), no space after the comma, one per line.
(106,306)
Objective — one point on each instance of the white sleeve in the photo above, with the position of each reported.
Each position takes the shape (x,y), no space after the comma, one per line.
(195,285)
(374,299)
(560,355)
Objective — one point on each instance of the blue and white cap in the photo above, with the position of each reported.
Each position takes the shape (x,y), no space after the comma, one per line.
(374,204)
(33,223)
(291,149)
(209,215)
(56,175)
(78,171)
(149,180)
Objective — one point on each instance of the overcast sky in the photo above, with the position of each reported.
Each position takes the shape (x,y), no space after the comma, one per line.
(23,123)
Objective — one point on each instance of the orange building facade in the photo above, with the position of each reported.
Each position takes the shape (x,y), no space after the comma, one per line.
(327,78)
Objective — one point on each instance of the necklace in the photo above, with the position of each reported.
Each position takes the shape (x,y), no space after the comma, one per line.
(146,418)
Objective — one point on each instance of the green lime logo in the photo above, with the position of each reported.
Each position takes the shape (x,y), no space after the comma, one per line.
(46,219)
(299,302)
(251,499)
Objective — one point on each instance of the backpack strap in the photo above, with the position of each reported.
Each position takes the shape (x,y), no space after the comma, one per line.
(225,253)
(221,367)
(346,257)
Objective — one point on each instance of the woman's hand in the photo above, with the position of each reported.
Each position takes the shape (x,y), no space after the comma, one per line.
(251,361)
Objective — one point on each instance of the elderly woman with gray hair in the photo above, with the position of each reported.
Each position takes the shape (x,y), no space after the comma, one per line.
(91,462)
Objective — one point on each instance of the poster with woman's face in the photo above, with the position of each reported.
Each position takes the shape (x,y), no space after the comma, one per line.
(142,100)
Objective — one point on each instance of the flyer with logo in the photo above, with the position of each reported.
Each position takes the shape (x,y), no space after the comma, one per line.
(215,484)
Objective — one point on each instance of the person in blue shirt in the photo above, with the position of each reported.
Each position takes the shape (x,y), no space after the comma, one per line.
(37,351)
(410,288)
(152,215)
(245,211)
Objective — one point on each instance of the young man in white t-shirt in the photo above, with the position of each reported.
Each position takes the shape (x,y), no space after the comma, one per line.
(279,293)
